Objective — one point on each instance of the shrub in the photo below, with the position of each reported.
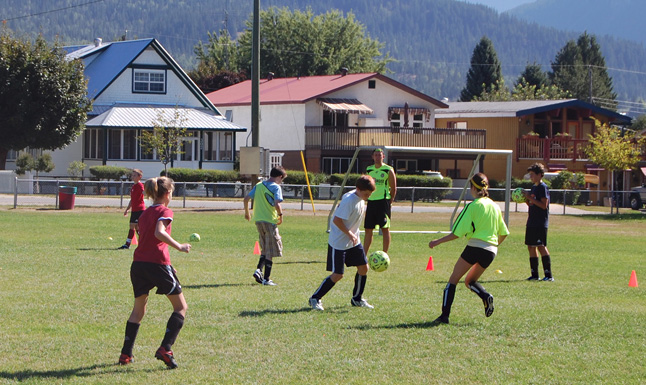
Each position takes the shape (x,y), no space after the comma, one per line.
(109,172)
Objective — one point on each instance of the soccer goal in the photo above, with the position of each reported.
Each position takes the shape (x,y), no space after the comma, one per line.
(478,153)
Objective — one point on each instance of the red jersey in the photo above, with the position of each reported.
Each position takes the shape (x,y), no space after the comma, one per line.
(150,248)
(137,197)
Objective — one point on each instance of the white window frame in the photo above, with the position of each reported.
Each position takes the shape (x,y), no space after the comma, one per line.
(145,79)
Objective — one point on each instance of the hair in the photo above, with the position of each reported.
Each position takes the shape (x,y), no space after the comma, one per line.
(377,150)
(365,182)
(481,183)
(277,171)
(156,188)
(138,171)
(537,168)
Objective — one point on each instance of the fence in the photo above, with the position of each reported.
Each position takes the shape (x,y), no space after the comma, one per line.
(209,192)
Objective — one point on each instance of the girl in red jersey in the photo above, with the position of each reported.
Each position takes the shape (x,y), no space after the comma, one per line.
(151,268)
(136,204)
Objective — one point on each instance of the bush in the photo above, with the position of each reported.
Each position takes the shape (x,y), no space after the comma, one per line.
(298,177)
(407,181)
(109,172)
(192,175)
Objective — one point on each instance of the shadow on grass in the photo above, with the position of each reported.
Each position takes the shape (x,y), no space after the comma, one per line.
(85,371)
(299,262)
(413,325)
(260,313)
(216,285)
(614,217)
(98,249)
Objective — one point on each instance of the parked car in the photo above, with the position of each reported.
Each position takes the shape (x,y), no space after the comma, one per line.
(432,174)
(637,197)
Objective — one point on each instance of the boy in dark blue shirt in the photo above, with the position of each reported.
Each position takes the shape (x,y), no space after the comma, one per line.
(538,200)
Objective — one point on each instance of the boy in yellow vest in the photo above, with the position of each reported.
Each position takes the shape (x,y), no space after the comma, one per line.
(379,203)
(267,214)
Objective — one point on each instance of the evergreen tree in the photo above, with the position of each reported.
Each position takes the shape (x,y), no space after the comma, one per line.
(533,75)
(485,73)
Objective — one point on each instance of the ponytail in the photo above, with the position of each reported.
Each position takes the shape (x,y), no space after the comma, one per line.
(155,188)
(481,183)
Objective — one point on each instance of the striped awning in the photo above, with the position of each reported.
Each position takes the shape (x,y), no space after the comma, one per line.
(346,106)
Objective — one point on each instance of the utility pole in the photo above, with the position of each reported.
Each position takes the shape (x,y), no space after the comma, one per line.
(590,77)
(255,77)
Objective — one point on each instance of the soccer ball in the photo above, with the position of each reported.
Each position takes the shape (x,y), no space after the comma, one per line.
(378,261)
(518,196)
(195,237)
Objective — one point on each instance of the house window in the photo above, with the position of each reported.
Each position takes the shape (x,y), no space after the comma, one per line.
(93,143)
(460,125)
(122,144)
(148,81)
(333,165)
(335,119)
(395,120)
(372,84)
(12,155)
(406,165)
(218,146)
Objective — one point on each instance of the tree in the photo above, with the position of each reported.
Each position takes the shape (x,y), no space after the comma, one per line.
(526,91)
(614,149)
(485,73)
(164,140)
(43,97)
(580,68)
(533,75)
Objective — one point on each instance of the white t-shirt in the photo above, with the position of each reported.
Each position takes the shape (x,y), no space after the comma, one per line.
(352,209)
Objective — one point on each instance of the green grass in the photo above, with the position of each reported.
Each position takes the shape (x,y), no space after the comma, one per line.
(66,295)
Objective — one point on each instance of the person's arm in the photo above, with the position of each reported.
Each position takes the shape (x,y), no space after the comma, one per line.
(162,235)
(127,208)
(543,203)
(446,238)
(247,216)
(279,210)
(341,225)
(392,184)
(501,239)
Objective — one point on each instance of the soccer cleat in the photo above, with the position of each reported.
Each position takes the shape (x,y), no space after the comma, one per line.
(441,320)
(268,282)
(550,279)
(532,278)
(361,303)
(166,356)
(315,304)
(125,359)
(488,303)
(125,246)
(258,276)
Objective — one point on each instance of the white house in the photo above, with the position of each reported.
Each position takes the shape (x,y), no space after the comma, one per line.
(328,116)
(132,84)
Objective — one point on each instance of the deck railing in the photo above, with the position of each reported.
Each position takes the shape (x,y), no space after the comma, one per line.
(548,149)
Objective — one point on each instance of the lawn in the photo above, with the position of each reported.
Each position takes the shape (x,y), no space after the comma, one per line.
(66,295)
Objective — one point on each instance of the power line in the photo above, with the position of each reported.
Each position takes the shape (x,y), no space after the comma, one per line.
(51,11)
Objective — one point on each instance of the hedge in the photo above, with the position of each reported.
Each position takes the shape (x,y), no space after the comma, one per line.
(110,172)
(192,175)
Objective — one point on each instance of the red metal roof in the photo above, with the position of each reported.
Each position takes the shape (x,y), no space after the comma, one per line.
(300,89)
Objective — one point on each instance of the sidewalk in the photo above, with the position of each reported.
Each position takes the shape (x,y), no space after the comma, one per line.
(215,204)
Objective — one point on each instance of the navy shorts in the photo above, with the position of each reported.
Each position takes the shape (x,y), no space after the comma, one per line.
(338,259)
(146,275)
(536,236)
(478,255)
(134,216)
(377,214)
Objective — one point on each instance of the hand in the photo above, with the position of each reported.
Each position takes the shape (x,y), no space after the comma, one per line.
(433,243)
(354,239)
(125,213)
(184,247)
(280,220)
(247,216)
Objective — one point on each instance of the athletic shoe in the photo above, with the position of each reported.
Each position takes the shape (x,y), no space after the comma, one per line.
(268,282)
(361,303)
(550,279)
(441,320)
(532,278)
(488,303)
(258,275)
(125,359)
(166,356)
(126,246)
(315,304)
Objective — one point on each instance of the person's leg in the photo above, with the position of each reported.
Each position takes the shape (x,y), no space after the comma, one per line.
(385,232)
(471,281)
(360,282)
(367,239)
(132,328)
(460,268)
(546,260)
(533,262)
(173,327)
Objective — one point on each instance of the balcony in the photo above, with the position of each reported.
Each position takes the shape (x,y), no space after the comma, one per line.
(331,138)
(547,149)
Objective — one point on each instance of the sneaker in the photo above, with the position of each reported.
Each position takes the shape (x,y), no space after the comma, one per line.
(125,246)
(532,278)
(488,303)
(315,304)
(268,282)
(166,356)
(361,303)
(550,279)
(258,275)
(125,359)
(441,320)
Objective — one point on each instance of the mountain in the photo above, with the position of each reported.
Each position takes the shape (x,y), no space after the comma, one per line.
(618,18)
(432,40)
(499,5)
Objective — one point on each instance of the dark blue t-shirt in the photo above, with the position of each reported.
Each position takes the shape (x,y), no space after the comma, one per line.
(537,216)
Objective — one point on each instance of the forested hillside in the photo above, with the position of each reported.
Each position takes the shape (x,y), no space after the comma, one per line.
(432,40)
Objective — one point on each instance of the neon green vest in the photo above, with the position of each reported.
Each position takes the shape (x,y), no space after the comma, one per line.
(380,176)
(263,211)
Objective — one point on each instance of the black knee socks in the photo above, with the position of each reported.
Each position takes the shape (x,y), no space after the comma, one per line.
(174,325)
(447,299)
(131,335)
(326,286)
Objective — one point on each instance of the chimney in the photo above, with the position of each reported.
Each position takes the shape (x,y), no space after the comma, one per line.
(270,75)
(344,71)
(97,42)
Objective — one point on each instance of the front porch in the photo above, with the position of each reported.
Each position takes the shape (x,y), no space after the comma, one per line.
(550,149)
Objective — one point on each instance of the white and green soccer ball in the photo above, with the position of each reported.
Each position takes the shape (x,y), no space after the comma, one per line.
(195,237)
(378,261)
(518,196)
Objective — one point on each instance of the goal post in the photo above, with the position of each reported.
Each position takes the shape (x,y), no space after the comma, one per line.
(477,152)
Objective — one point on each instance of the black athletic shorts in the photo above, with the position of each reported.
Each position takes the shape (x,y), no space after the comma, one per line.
(536,236)
(134,216)
(146,275)
(377,214)
(336,259)
(478,255)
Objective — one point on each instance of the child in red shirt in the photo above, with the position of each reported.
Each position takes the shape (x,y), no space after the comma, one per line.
(136,204)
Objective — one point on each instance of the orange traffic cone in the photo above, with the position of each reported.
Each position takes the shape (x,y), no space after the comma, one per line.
(256,249)
(429,266)
(633,280)
(134,240)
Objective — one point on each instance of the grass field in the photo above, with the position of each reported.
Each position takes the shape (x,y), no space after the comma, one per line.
(66,295)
